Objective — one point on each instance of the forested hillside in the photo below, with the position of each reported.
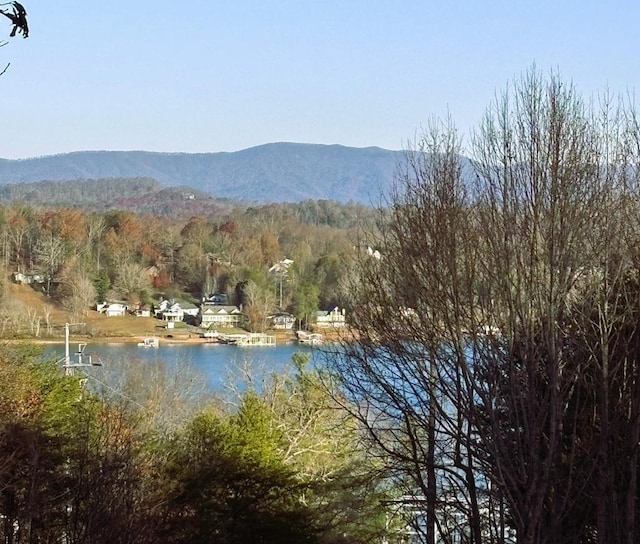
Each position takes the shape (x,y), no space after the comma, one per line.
(143,195)
(148,196)
(86,255)
(280,172)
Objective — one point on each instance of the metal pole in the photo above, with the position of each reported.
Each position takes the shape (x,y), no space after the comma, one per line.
(68,367)
(67,361)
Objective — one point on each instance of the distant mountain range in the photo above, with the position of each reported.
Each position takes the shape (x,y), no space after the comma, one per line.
(278,172)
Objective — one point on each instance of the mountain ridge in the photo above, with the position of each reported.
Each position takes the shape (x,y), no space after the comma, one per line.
(274,172)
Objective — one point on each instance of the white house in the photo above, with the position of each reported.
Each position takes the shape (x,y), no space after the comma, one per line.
(335,318)
(143,311)
(213,316)
(112,309)
(161,307)
(19,277)
(282,320)
(172,310)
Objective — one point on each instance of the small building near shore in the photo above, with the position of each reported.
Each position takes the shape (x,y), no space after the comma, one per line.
(335,318)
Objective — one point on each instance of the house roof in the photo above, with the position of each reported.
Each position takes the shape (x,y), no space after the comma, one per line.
(220,310)
(176,304)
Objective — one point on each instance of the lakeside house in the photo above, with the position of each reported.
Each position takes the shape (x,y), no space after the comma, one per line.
(216,315)
(218,299)
(335,318)
(174,310)
(282,321)
(112,309)
(142,310)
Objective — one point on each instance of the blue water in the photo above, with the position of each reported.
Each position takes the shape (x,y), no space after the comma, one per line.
(216,363)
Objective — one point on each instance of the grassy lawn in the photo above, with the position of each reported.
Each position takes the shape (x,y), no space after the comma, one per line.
(27,301)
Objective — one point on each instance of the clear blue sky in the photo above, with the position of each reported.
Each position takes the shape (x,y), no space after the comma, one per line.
(207,76)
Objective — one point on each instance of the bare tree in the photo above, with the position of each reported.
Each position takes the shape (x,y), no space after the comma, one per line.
(96,226)
(49,253)
(411,300)
(34,321)
(47,311)
(131,282)
(18,17)
(495,359)
(17,229)
(260,303)
(558,191)
(78,292)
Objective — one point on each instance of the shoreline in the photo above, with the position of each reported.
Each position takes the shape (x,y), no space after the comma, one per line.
(282,337)
(122,339)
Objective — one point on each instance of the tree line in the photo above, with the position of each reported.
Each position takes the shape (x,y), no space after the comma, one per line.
(145,195)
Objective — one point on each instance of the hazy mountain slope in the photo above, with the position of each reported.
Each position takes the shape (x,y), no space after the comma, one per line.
(141,195)
(280,172)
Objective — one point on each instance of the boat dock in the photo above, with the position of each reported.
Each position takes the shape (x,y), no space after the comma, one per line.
(240,339)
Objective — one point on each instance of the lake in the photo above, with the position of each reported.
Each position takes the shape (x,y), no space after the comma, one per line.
(215,362)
